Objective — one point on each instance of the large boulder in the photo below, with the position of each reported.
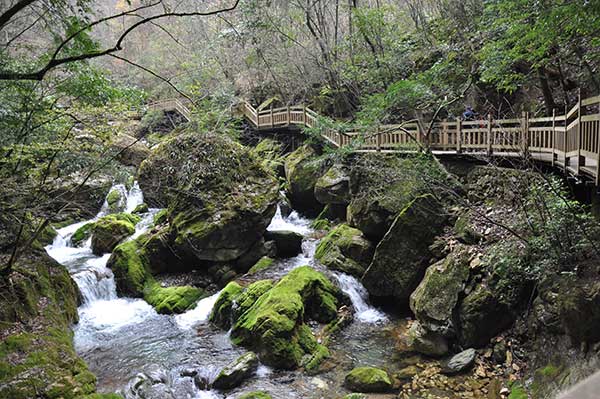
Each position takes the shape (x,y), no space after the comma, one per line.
(221,313)
(270,154)
(270,318)
(368,379)
(403,254)
(459,362)
(434,300)
(381,186)
(220,198)
(579,309)
(130,151)
(303,168)
(345,249)
(234,374)
(334,186)
(110,230)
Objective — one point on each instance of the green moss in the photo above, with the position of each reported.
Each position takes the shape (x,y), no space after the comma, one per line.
(518,392)
(355,396)
(109,230)
(344,249)
(255,395)
(368,379)
(113,198)
(169,300)
(549,371)
(160,217)
(264,263)
(273,324)
(141,208)
(82,234)
(251,294)
(128,264)
(319,354)
(221,312)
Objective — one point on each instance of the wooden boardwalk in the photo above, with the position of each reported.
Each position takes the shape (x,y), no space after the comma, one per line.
(570,141)
(172,105)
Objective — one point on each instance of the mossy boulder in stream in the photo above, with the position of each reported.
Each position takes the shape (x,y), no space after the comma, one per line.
(270,318)
(221,313)
(220,199)
(368,379)
(403,254)
(169,300)
(82,234)
(110,230)
(345,249)
(234,374)
(129,266)
(435,298)
(303,168)
(37,357)
(287,243)
(255,395)
(334,186)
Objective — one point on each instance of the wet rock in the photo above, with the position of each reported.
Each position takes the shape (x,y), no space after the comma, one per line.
(221,314)
(263,264)
(110,230)
(426,342)
(288,243)
(141,208)
(460,362)
(403,254)
(202,382)
(435,298)
(334,186)
(234,374)
(253,255)
(82,234)
(303,168)
(188,372)
(116,199)
(345,249)
(272,323)
(368,379)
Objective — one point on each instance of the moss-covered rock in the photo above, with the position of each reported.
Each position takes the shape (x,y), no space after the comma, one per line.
(129,266)
(221,314)
(82,234)
(273,324)
(368,379)
(255,395)
(334,186)
(234,374)
(579,309)
(345,249)
(270,154)
(116,199)
(37,358)
(141,208)
(465,232)
(434,300)
(169,300)
(263,264)
(303,168)
(403,254)
(110,230)
(220,198)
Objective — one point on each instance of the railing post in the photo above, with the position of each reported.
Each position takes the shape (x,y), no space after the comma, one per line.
(489,134)
(598,151)
(272,121)
(525,134)
(553,136)
(458,135)
(304,120)
(289,116)
(444,134)
(565,141)
(378,138)
(580,159)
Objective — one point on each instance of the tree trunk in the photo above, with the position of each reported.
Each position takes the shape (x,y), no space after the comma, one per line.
(546,91)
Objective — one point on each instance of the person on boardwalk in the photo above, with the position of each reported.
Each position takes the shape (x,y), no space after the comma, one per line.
(469,114)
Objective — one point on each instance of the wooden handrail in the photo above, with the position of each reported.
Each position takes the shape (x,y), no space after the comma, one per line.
(571,143)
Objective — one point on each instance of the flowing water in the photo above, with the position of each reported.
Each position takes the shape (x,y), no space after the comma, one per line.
(123,337)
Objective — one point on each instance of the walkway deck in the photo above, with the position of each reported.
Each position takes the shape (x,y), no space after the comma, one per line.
(570,141)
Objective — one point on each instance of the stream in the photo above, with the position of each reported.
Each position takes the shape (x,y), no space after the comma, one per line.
(120,338)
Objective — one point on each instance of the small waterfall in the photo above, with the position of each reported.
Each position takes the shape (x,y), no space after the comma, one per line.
(294,222)
(197,315)
(358,295)
(101,309)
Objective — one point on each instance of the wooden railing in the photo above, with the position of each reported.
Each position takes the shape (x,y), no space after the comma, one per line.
(570,141)
(172,105)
